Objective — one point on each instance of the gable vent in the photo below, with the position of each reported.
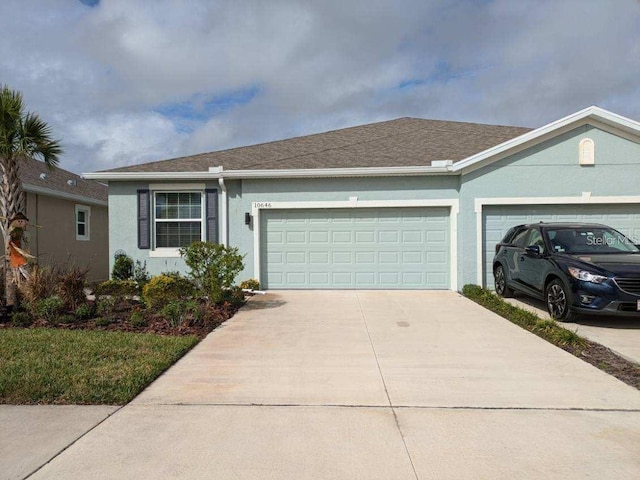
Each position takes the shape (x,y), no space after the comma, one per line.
(587,152)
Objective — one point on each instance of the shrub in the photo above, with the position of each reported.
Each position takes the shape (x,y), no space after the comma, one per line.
(137,320)
(85,311)
(122,267)
(163,289)
(234,296)
(140,274)
(182,313)
(214,267)
(106,306)
(21,319)
(40,284)
(70,287)
(103,322)
(48,308)
(118,288)
(251,284)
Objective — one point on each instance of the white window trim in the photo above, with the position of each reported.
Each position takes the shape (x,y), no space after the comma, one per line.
(584,199)
(179,188)
(353,202)
(87,223)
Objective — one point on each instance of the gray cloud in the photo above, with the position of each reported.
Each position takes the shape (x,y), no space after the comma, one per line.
(106,77)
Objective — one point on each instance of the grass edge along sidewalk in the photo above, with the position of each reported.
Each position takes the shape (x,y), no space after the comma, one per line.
(82,367)
(591,352)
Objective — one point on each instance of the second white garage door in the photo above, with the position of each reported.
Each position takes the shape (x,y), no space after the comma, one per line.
(391,248)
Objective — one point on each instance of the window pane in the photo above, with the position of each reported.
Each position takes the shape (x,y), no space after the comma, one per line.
(81,214)
(177,234)
(178,205)
(81,229)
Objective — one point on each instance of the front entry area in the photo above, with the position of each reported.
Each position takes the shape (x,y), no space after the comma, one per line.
(346,248)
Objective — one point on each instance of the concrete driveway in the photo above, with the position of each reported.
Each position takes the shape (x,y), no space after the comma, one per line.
(367,385)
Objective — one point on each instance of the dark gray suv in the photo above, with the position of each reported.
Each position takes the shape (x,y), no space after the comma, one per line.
(574,267)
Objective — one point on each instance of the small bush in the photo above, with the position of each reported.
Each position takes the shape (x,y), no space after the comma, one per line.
(103,321)
(48,308)
(137,320)
(85,311)
(163,289)
(140,274)
(106,306)
(234,296)
(21,319)
(251,284)
(40,284)
(118,288)
(213,266)
(182,313)
(70,287)
(122,267)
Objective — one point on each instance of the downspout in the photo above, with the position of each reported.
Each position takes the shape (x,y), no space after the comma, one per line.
(224,234)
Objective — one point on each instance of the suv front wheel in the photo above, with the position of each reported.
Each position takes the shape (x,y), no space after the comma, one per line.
(558,302)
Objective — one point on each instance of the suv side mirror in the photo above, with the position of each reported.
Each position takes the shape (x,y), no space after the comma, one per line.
(532,250)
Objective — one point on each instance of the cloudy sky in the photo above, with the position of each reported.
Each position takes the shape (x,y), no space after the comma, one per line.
(130,81)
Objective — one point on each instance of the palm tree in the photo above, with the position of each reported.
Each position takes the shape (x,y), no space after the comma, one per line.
(22,135)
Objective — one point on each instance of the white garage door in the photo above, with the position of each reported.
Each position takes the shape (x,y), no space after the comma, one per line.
(498,219)
(391,248)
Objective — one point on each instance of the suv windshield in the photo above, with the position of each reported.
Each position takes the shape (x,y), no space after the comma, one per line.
(589,240)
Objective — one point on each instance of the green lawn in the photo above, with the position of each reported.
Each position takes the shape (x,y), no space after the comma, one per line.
(40,366)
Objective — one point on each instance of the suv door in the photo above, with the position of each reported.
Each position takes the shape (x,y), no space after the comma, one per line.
(512,253)
(533,266)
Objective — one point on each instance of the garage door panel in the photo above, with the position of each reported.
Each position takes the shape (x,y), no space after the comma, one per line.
(356,248)
(497,220)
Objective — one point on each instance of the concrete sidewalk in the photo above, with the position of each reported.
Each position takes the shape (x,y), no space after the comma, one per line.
(360,384)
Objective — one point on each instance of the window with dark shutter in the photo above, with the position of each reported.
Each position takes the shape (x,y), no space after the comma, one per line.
(144,219)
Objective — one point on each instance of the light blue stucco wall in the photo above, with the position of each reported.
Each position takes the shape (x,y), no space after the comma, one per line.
(241,195)
(549,169)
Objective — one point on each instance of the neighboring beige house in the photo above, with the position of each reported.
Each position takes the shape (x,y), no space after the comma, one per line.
(71,214)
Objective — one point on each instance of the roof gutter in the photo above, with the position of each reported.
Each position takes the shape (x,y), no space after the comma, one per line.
(63,195)
(225,209)
(439,167)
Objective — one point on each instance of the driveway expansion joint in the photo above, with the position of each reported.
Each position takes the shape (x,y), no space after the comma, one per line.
(391,407)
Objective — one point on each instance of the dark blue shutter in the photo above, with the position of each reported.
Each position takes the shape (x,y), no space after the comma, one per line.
(211,212)
(144,219)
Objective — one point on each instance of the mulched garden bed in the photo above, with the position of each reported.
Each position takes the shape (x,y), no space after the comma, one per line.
(155,323)
(608,361)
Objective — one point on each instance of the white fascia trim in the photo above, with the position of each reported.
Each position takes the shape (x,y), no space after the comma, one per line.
(176,186)
(63,195)
(584,199)
(282,173)
(552,129)
(453,204)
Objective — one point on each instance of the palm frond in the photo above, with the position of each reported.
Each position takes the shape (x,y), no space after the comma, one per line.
(37,140)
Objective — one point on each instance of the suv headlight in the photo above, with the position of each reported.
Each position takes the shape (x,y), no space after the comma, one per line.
(586,276)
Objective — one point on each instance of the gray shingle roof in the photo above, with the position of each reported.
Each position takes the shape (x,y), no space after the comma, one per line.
(394,143)
(58,180)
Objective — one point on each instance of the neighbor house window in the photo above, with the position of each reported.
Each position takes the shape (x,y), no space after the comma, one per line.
(83,214)
(177,218)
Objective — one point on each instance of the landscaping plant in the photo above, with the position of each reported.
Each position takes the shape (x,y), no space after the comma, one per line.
(122,267)
(213,267)
(163,289)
